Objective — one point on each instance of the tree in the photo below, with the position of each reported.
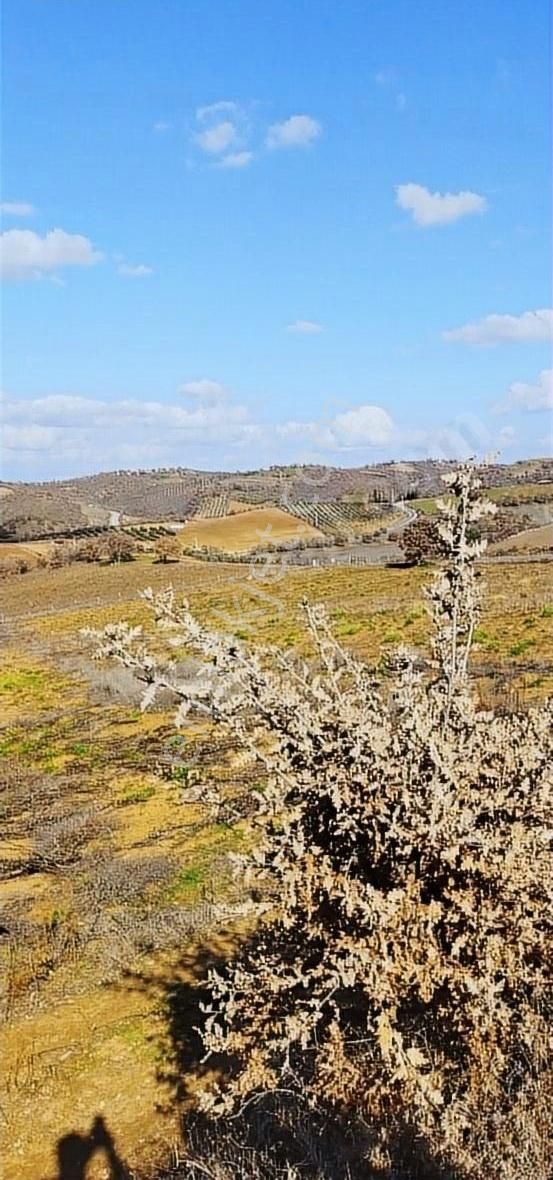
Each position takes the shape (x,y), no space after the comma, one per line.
(399,970)
(167,549)
(111,547)
(422,541)
(118,547)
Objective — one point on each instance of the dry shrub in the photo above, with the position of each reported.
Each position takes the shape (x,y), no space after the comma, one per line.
(109,880)
(398,974)
(111,547)
(12,566)
(59,843)
(109,684)
(167,549)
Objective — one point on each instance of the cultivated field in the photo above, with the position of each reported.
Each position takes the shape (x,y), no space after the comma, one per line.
(528,539)
(247,530)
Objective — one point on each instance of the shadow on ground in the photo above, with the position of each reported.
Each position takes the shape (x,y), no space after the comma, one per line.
(75,1152)
(273,1136)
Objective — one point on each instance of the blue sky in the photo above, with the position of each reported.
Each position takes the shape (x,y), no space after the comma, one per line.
(285,231)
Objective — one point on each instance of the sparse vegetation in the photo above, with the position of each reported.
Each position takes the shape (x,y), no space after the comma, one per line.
(74,742)
(398,977)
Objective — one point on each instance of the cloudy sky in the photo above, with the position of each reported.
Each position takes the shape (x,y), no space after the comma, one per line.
(240,233)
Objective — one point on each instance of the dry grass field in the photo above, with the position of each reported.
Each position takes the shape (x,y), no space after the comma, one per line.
(104,931)
(245,530)
(538,538)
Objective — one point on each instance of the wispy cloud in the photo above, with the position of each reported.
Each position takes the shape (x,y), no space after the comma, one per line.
(161,125)
(218,138)
(305,327)
(388,79)
(235,160)
(140,271)
(26,255)
(214,109)
(297,131)
(531,327)
(17,208)
(429,208)
(204,390)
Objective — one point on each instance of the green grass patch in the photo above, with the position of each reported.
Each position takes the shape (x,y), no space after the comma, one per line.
(137,795)
(27,680)
(521,646)
(188,883)
(483,639)
(426,506)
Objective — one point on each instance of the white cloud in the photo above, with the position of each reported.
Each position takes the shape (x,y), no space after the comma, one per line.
(17,208)
(401,102)
(531,326)
(134,272)
(297,131)
(522,395)
(26,255)
(437,208)
(206,427)
(66,433)
(305,327)
(213,109)
(86,426)
(218,138)
(362,426)
(161,126)
(235,160)
(206,391)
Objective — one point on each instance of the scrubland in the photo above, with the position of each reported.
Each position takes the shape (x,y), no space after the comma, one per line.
(119,832)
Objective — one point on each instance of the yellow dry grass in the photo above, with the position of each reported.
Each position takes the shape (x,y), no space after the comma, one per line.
(27,549)
(236,506)
(244,531)
(72,1063)
(538,538)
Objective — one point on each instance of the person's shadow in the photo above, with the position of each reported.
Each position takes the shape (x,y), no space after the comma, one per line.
(75,1152)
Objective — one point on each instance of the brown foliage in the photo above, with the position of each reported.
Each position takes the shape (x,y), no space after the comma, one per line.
(421,541)
(167,549)
(112,547)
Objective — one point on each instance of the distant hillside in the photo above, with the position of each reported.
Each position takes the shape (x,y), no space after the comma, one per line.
(30,511)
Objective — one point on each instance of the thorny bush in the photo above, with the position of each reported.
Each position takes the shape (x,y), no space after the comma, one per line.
(399,967)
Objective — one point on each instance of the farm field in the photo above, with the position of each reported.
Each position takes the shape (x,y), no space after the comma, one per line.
(535,538)
(509,494)
(243,531)
(106,930)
